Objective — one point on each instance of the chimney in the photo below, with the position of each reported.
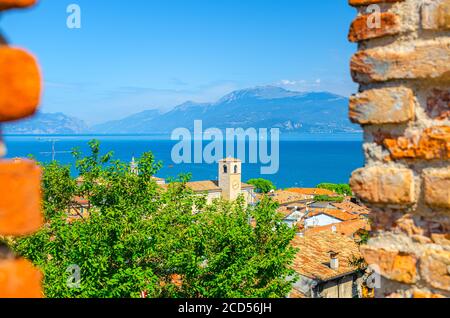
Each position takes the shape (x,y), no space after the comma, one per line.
(334,261)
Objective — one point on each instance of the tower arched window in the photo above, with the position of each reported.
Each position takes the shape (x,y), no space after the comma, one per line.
(236,169)
(225,169)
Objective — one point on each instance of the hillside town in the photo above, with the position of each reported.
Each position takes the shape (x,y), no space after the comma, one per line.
(328,234)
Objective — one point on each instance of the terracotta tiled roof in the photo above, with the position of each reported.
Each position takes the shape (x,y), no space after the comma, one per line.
(351,207)
(296,294)
(338,214)
(201,186)
(208,186)
(313,258)
(347,228)
(286,197)
(311,191)
(230,160)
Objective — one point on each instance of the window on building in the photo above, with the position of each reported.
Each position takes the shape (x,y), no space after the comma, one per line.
(225,169)
(235,169)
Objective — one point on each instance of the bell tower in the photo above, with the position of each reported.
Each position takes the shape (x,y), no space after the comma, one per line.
(230,175)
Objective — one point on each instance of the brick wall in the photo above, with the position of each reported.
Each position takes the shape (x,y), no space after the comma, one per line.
(403,104)
(20,195)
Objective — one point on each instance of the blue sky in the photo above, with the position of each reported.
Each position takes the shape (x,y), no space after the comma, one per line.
(134,55)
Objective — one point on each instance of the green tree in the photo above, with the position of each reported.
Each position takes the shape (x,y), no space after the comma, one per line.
(326,198)
(142,237)
(262,185)
(341,189)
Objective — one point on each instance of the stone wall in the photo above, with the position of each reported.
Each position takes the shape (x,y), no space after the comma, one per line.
(20,194)
(403,104)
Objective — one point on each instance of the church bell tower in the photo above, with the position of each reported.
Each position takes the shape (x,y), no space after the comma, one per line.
(230,178)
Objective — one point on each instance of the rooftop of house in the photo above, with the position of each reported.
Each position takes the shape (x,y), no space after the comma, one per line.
(351,207)
(285,197)
(313,257)
(209,186)
(312,191)
(335,213)
(347,228)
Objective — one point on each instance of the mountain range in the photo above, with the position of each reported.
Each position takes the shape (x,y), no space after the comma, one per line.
(260,107)
(46,124)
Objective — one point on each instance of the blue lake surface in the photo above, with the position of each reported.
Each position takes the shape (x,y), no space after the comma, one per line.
(303,163)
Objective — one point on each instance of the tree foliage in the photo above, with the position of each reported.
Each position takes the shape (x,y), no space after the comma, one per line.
(326,198)
(140,237)
(262,185)
(341,189)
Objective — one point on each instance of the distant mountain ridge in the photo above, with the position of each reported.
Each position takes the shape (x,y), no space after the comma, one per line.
(46,124)
(259,107)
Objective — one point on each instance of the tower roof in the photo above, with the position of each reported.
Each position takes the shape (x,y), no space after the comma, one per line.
(229,159)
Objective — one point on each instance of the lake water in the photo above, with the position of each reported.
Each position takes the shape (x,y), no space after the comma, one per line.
(303,163)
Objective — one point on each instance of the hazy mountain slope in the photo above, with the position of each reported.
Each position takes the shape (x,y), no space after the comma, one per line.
(261,107)
(46,123)
(131,124)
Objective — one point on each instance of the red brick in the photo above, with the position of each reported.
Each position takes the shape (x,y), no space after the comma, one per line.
(19,279)
(432,144)
(434,268)
(419,61)
(436,15)
(360,29)
(384,185)
(437,187)
(425,294)
(20,197)
(20,84)
(389,105)
(357,3)
(394,265)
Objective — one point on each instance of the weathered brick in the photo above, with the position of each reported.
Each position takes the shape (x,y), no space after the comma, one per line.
(19,279)
(432,144)
(437,187)
(407,224)
(438,104)
(20,84)
(425,294)
(436,15)
(361,29)
(357,3)
(418,61)
(10,4)
(384,185)
(441,239)
(394,265)
(434,268)
(382,106)
(20,197)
